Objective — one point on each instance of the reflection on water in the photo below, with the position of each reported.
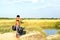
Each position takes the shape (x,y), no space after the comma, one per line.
(50,31)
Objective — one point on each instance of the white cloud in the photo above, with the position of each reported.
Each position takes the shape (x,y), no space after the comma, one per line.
(35,1)
(48,3)
(18,1)
(42,1)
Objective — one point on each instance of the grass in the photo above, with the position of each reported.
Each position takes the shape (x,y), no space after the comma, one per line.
(29,25)
(41,23)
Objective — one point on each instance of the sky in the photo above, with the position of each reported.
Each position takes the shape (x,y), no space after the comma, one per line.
(30,8)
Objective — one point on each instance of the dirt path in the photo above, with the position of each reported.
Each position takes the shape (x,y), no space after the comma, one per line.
(7,36)
(29,36)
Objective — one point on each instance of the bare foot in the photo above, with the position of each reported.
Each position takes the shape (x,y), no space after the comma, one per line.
(17,36)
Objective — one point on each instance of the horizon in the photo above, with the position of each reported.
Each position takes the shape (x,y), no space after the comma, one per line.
(33,18)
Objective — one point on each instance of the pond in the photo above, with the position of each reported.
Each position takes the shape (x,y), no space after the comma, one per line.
(50,31)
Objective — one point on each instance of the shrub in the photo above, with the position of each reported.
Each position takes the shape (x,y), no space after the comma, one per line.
(57,25)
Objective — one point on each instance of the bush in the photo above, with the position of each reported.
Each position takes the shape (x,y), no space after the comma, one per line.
(57,25)
(58,31)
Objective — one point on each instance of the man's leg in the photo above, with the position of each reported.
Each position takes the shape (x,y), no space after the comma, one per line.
(17,34)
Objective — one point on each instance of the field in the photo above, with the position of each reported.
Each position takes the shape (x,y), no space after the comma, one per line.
(29,25)
(33,27)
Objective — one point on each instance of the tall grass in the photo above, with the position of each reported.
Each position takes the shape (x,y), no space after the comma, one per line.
(30,25)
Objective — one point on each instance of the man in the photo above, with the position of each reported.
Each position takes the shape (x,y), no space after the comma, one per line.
(19,30)
(17,25)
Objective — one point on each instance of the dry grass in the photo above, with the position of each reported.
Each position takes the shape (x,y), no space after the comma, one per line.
(40,23)
(53,37)
(30,25)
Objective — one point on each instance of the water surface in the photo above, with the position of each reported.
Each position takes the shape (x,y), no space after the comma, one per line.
(50,31)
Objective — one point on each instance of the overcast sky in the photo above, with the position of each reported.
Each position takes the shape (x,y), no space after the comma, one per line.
(30,8)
